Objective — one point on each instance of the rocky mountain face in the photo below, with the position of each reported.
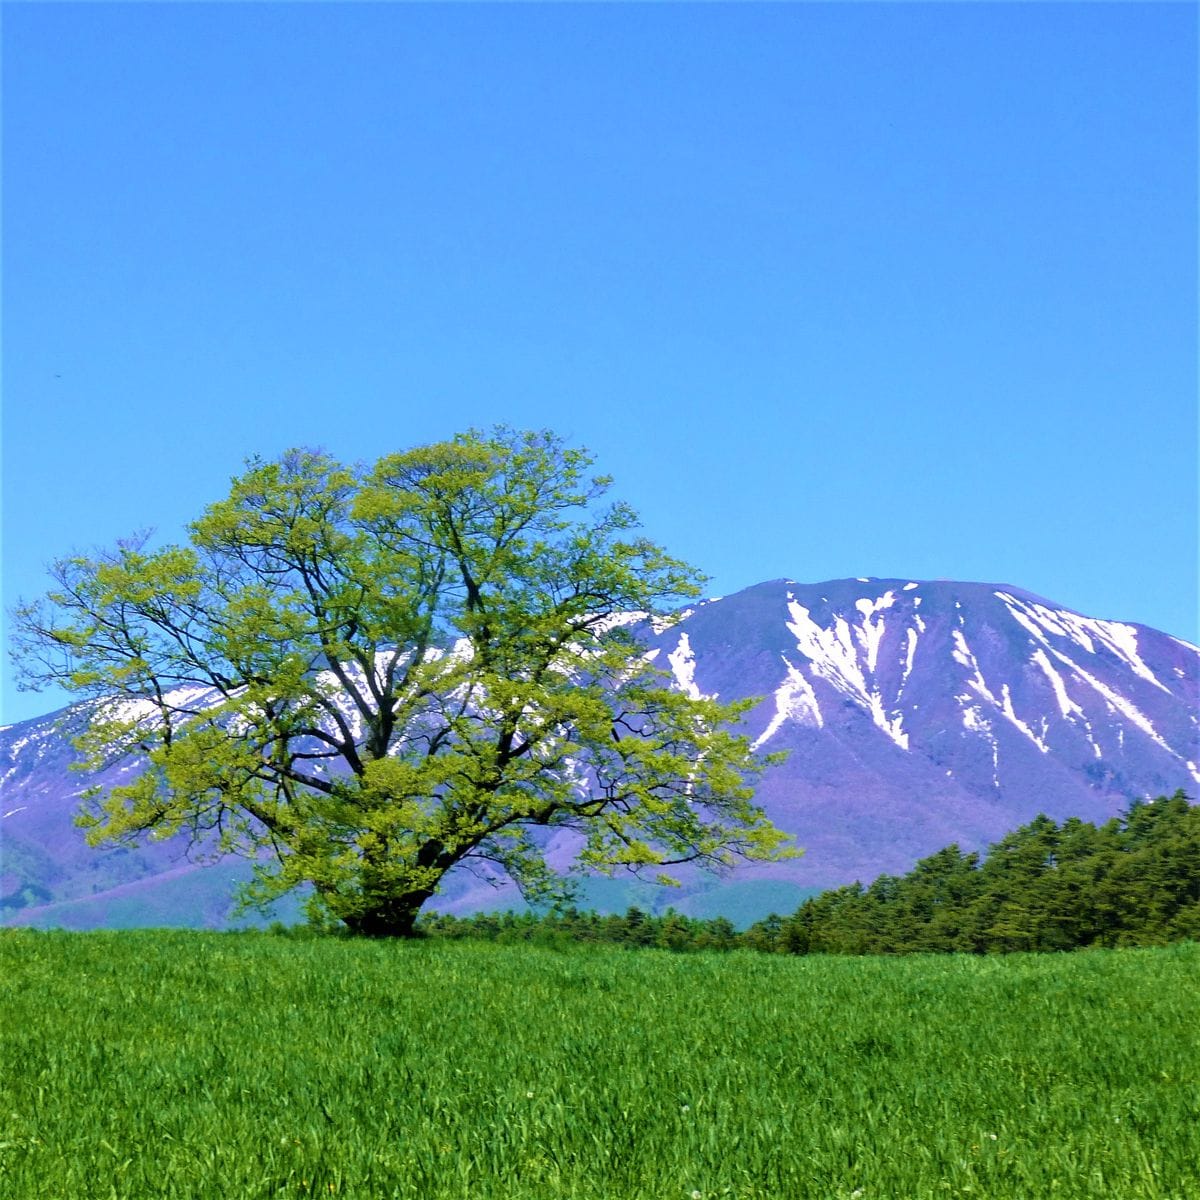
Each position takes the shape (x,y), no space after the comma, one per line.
(914,714)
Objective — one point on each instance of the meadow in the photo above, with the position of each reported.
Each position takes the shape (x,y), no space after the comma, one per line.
(235,1066)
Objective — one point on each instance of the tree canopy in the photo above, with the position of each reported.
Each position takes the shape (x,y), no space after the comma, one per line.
(364,676)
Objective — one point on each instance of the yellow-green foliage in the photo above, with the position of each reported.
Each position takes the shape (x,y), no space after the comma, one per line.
(362,678)
(240,1066)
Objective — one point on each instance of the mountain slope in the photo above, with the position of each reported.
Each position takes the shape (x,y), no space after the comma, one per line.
(920,713)
(915,714)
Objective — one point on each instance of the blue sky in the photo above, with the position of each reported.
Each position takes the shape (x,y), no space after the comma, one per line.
(831,290)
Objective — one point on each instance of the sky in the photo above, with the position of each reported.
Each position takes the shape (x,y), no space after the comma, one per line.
(831,290)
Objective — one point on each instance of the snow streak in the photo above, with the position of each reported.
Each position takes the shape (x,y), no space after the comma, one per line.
(964,655)
(834,656)
(1119,640)
(795,700)
(683,666)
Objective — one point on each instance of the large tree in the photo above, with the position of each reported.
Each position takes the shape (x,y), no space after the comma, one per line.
(362,677)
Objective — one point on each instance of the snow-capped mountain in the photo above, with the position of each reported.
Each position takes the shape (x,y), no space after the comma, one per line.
(917,714)
(914,714)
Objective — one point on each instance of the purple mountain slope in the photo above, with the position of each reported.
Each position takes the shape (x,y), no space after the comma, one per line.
(914,714)
(45,864)
(920,714)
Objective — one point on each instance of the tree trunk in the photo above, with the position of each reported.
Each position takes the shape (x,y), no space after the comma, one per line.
(391,916)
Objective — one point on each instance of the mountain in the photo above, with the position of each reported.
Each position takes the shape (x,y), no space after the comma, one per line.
(917,714)
(914,715)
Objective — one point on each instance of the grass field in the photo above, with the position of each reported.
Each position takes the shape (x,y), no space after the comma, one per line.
(230,1066)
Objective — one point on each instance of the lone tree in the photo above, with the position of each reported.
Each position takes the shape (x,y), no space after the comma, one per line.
(363,677)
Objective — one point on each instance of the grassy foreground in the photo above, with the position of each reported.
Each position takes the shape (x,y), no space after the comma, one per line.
(234,1066)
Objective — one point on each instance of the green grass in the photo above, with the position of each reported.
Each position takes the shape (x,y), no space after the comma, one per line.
(232,1066)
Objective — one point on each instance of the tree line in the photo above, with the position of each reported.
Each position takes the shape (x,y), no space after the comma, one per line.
(1133,881)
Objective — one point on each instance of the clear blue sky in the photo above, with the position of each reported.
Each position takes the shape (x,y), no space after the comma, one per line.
(832,290)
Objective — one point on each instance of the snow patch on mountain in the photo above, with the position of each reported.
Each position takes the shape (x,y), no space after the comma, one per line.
(1119,639)
(182,701)
(966,657)
(833,655)
(662,624)
(976,722)
(683,667)
(1066,706)
(872,631)
(796,701)
(910,636)
(1127,709)
(891,724)
(19,745)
